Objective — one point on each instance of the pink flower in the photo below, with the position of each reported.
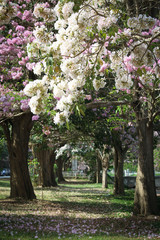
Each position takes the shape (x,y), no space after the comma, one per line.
(88,97)
(27,33)
(1,39)
(19,54)
(35,118)
(46,132)
(30,66)
(27,15)
(20,28)
(104,67)
(25,83)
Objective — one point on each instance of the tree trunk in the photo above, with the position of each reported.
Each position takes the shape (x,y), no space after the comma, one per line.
(104,178)
(17,132)
(98,168)
(59,162)
(104,157)
(145,200)
(118,168)
(119,153)
(46,158)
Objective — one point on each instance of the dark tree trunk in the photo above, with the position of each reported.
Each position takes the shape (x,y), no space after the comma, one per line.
(46,158)
(17,132)
(118,168)
(145,200)
(98,168)
(59,162)
(119,153)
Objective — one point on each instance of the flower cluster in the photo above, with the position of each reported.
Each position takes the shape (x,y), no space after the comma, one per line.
(7,11)
(42,35)
(85,46)
(10,102)
(38,93)
(42,10)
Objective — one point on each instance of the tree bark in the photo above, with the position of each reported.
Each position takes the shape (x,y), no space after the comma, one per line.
(145,200)
(17,132)
(104,157)
(119,153)
(46,158)
(59,162)
(98,167)
(118,168)
(104,178)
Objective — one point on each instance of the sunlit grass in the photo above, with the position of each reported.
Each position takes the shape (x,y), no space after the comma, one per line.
(69,237)
(4,188)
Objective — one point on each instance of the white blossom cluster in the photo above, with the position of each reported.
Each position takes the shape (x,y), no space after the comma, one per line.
(77,53)
(38,93)
(42,35)
(138,55)
(142,22)
(7,11)
(41,11)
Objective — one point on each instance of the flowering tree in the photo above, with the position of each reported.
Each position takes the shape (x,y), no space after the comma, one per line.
(16,23)
(93,45)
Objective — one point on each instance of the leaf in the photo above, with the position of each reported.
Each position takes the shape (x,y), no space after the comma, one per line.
(139,72)
(82,112)
(67,125)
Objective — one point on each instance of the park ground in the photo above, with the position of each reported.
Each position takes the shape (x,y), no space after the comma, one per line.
(74,210)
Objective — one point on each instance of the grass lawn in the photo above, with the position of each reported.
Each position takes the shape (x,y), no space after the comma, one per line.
(73,210)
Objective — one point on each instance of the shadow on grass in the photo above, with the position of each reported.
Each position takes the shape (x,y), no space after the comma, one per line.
(65,206)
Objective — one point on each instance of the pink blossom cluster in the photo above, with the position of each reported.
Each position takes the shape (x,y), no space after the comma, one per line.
(14,62)
(9,102)
(13,53)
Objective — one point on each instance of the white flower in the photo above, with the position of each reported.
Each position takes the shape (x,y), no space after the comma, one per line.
(141,56)
(67,47)
(57,92)
(60,23)
(36,87)
(97,84)
(147,78)
(58,9)
(123,80)
(67,9)
(41,11)
(46,80)
(141,22)
(42,35)
(70,67)
(61,118)
(38,69)
(105,23)
(36,105)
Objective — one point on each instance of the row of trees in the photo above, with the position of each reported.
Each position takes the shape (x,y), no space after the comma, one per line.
(81,51)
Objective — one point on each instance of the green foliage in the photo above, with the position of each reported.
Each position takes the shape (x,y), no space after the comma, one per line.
(157,158)
(131,166)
